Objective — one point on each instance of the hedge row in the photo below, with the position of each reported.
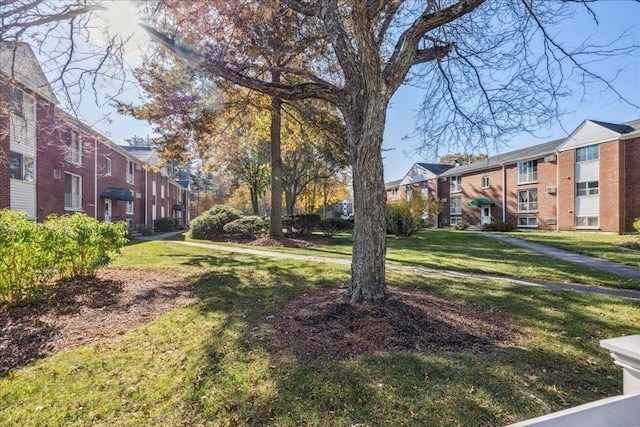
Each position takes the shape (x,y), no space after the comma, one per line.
(221,220)
(31,253)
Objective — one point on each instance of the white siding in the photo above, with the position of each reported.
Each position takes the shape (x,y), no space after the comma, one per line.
(588,133)
(587,206)
(23,197)
(23,141)
(588,171)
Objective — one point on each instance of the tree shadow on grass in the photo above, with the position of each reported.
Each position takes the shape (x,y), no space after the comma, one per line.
(257,384)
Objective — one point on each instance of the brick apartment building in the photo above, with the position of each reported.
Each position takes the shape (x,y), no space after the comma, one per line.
(587,181)
(51,163)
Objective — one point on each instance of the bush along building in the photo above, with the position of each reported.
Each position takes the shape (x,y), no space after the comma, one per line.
(51,163)
(587,181)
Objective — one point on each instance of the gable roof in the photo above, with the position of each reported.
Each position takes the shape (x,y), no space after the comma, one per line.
(529,153)
(621,128)
(392,184)
(595,132)
(145,154)
(436,168)
(420,172)
(17,61)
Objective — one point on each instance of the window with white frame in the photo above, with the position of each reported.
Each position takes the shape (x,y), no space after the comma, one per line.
(72,192)
(587,222)
(74,148)
(527,221)
(394,194)
(454,220)
(589,188)
(485,181)
(456,183)
(22,167)
(527,200)
(129,208)
(585,154)
(527,171)
(107,167)
(130,172)
(23,104)
(424,189)
(456,205)
(409,191)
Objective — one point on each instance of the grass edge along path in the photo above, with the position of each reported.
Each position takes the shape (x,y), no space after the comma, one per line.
(575,287)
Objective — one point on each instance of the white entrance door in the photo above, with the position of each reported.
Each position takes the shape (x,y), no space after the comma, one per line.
(485,217)
(107,210)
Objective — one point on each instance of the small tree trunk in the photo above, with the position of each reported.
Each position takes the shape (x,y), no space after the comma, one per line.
(275,224)
(254,201)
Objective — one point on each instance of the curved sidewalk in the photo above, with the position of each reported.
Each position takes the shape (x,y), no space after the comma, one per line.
(627,271)
(586,289)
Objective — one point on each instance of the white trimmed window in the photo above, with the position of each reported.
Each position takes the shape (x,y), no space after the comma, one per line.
(72,192)
(527,222)
(528,172)
(485,182)
(409,191)
(23,104)
(587,222)
(129,208)
(590,188)
(394,194)
(455,220)
(22,167)
(527,200)
(107,167)
(130,172)
(456,183)
(424,189)
(456,206)
(74,148)
(585,154)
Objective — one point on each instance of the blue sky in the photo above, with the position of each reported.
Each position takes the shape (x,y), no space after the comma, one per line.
(615,17)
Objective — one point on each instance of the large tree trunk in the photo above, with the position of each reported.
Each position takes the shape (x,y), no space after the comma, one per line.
(369,204)
(275,224)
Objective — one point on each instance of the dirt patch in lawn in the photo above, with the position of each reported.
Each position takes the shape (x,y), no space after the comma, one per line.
(78,312)
(324,324)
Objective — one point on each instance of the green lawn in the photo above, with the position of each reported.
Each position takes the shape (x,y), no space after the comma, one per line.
(472,252)
(599,245)
(202,364)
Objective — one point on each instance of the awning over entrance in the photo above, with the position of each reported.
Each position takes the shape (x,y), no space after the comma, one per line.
(116,193)
(482,201)
(178,208)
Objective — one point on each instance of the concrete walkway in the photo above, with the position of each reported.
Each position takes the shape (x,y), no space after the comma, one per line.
(627,271)
(596,290)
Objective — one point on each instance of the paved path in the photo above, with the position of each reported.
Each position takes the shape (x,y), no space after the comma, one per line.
(598,290)
(627,271)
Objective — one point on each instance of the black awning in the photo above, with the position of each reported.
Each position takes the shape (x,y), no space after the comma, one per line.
(481,202)
(179,208)
(116,193)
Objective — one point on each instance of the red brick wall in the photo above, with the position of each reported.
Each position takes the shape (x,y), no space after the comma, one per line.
(566,190)
(610,187)
(631,205)
(547,202)
(5,186)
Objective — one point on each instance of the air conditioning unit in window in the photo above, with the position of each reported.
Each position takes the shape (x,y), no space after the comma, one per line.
(550,158)
(138,195)
(551,190)
(551,221)
(444,200)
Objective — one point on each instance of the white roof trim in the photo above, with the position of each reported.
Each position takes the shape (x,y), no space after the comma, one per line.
(588,133)
(417,174)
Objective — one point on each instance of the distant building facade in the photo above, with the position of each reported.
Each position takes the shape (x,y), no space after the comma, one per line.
(587,181)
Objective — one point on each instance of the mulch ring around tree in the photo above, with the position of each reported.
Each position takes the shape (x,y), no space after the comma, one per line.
(77,312)
(324,324)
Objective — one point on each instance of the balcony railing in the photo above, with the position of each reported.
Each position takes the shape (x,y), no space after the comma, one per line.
(527,206)
(72,202)
(527,177)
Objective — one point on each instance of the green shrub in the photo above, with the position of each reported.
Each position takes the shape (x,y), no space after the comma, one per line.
(166,224)
(145,230)
(331,226)
(26,257)
(211,223)
(636,225)
(247,226)
(81,244)
(406,217)
(301,225)
(461,226)
(498,226)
